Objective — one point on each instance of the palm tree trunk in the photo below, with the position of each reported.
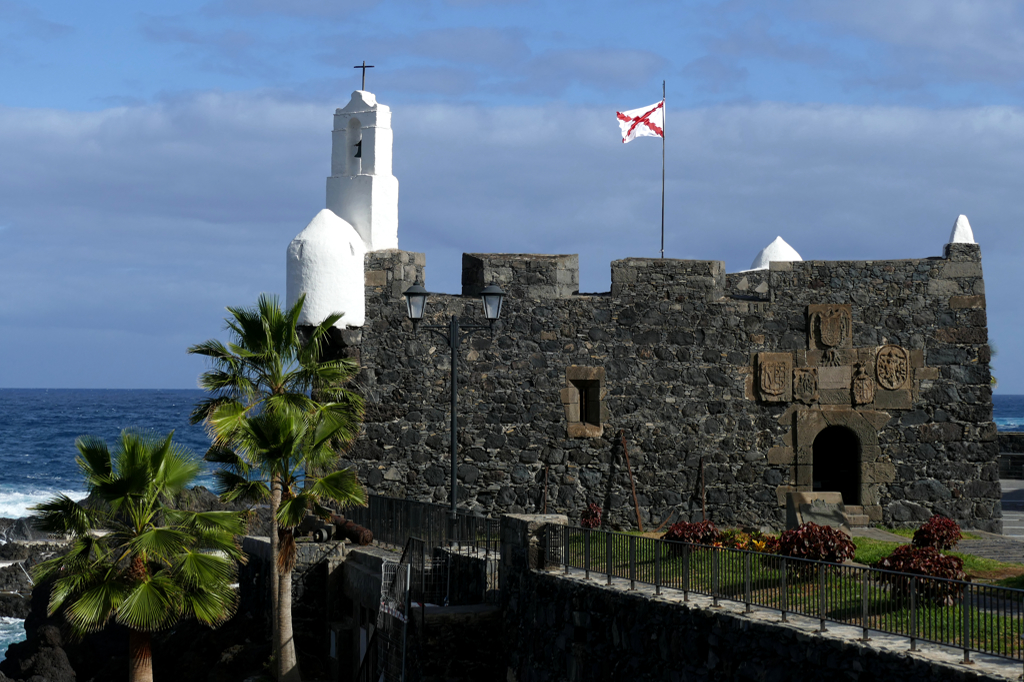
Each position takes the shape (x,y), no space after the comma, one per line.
(140,657)
(288,667)
(275,544)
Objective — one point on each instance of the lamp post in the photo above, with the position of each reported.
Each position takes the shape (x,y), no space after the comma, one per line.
(454,333)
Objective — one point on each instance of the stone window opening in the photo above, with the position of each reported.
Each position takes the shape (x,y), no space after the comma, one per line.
(583,402)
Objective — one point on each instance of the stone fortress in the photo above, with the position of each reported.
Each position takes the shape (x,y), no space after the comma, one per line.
(706,392)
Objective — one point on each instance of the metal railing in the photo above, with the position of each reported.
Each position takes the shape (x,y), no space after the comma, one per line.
(444,541)
(964,615)
(394,520)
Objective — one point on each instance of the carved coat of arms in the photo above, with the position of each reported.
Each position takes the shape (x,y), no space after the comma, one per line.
(805,385)
(833,326)
(863,387)
(775,376)
(892,366)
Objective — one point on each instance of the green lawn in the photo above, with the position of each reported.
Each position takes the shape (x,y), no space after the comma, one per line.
(909,533)
(984,570)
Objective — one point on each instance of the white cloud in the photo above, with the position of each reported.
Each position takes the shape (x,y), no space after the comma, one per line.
(148,220)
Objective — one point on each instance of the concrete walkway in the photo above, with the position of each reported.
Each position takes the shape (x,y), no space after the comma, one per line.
(1008,547)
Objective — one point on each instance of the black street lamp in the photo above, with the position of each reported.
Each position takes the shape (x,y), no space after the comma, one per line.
(454,333)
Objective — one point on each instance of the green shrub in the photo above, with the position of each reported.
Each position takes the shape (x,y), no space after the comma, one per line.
(939,532)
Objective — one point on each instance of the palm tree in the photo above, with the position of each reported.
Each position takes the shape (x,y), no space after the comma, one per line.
(294,448)
(266,369)
(134,559)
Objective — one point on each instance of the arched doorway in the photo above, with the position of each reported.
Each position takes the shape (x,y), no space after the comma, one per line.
(836,467)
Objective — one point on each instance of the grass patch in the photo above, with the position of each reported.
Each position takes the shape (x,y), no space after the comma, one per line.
(909,533)
(869,551)
(978,568)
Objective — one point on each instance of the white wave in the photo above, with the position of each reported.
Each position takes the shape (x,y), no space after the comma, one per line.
(11,630)
(15,504)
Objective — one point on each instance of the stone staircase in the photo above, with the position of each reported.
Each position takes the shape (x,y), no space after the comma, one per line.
(855,516)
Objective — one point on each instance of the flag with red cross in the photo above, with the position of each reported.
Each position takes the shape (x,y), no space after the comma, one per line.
(644,122)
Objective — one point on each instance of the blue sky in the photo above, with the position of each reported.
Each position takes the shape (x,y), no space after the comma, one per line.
(156,159)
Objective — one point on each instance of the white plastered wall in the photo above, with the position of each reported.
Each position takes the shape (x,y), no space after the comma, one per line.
(325,261)
(363,191)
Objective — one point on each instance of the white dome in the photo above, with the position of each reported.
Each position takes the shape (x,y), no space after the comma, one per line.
(778,250)
(962,233)
(325,261)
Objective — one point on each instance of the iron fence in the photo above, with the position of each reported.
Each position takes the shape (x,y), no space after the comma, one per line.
(449,569)
(969,616)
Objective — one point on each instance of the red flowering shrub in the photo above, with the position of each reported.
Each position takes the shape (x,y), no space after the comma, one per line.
(591,516)
(821,543)
(924,561)
(700,533)
(939,532)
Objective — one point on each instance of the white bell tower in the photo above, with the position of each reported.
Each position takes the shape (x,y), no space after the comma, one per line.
(361,190)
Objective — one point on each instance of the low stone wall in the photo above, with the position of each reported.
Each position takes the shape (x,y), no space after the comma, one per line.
(315,600)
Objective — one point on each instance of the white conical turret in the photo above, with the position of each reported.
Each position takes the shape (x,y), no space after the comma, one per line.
(325,262)
(361,189)
(962,233)
(778,250)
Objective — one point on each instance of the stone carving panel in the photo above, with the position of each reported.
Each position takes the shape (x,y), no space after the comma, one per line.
(805,386)
(829,326)
(863,387)
(892,367)
(775,377)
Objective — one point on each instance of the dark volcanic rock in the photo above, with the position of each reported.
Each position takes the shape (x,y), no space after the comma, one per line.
(14,606)
(39,658)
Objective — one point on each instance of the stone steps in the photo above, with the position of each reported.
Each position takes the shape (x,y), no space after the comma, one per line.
(855,516)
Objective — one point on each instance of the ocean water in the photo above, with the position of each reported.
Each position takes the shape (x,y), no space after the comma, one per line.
(38,429)
(37,444)
(1008,412)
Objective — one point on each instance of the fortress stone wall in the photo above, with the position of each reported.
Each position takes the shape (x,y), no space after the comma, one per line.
(726,391)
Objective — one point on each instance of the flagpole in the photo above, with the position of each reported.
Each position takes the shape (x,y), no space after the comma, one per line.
(664,120)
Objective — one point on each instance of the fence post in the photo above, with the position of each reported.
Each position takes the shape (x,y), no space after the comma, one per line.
(966,610)
(864,605)
(821,598)
(632,562)
(785,591)
(746,580)
(564,530)
(686,572)
(608,555)
(658,546)
(586,553)
(714,576)
(913,613)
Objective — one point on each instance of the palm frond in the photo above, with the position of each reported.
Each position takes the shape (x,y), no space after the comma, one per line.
(152,604)
(341,486)
(196,569)
(291,512)
(96,604)
(209,606)
(63,515)
(93,458)
(160,543)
